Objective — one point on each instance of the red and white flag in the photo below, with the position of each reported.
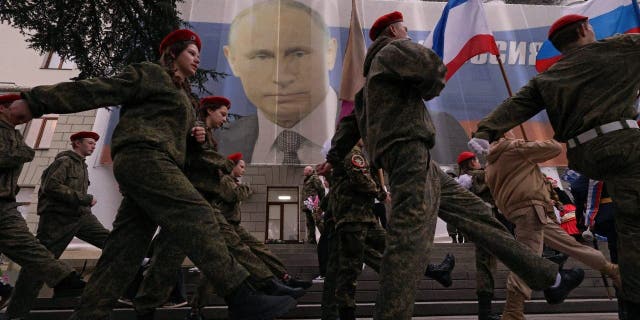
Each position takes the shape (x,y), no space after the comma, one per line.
(461,33)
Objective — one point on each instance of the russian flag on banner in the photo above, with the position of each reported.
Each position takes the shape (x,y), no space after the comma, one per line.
(608,17)
(461,33)
(594,194)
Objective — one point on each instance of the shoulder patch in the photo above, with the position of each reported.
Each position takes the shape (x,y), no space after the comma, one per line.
(358,161)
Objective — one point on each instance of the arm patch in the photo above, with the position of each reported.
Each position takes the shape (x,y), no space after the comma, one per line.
(358,161)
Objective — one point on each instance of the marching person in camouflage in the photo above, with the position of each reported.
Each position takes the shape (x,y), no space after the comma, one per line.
(356,225)
(590,96)
(150,144)
(520,191)
(391,118)
(16,241)
(210,173)
(312,187)
(64,207)
(233,192)
(359,237)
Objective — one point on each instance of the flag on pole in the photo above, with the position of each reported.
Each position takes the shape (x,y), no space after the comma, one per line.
(352,65)
(594,193)
(461,33)
(608,17)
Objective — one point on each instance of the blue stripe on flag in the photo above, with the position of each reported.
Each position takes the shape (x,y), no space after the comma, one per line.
(438,31)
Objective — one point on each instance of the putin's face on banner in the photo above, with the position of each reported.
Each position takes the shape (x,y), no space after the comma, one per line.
(282,56)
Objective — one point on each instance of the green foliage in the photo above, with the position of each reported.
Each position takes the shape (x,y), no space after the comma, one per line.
(100,36)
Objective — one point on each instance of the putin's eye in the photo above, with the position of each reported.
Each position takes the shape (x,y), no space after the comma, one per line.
(260,55)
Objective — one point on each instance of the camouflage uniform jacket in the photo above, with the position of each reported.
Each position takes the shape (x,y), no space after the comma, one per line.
(591,85)
(155,113)
(205,166)
(355,190)
(64,185)
(13,154)
(231,194)
(312,187)
(479,186)
(400,74)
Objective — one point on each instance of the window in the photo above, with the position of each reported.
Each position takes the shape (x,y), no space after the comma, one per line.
(53,61)
(282,215)
(39,132)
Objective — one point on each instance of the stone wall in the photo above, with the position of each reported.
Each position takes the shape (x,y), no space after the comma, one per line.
(254,210)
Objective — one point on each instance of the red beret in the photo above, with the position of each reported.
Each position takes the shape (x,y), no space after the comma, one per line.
(235,157)
(464,156)
(84,134)
(180,35)
(384,22)
(563,21)
(215,100)
(8,98)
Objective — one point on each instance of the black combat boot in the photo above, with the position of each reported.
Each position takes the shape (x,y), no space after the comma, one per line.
(296,283)
(245,303)
(570,279)
(442,272)
(347,313)
(274,287)
(484,307)
(454,239)
(71,286)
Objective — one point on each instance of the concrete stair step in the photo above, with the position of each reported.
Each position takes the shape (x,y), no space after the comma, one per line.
(431,298)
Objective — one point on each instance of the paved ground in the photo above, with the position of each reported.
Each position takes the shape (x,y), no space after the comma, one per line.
(568,316)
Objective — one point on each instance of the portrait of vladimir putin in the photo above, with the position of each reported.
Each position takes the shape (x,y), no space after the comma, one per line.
(282,52)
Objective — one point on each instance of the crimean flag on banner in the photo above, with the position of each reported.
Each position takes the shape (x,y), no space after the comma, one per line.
(461,33)
(352,65)
(608,17)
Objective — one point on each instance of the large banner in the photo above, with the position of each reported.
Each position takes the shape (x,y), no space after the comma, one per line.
(284,60)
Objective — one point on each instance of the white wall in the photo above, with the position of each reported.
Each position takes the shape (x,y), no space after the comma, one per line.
(21,65)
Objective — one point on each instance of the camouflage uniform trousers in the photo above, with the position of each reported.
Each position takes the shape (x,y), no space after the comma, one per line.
(22,247)
(248,251)
(261,251)
(238,241)
(486,268)
(615,159)
(329,305)
(55,232)
(156,193)
(356,242)
(421,192)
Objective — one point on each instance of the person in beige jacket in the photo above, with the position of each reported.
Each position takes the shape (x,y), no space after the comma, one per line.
(517,185)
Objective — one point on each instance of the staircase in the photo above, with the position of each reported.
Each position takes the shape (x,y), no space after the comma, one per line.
(432,299)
